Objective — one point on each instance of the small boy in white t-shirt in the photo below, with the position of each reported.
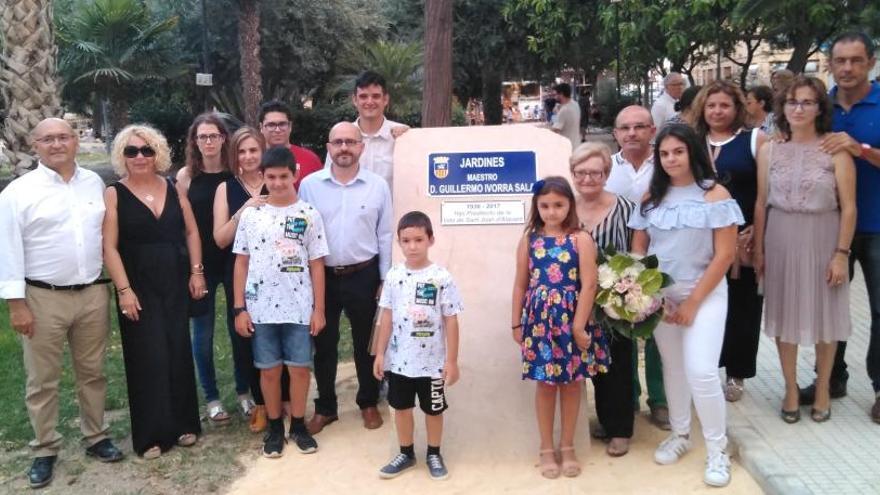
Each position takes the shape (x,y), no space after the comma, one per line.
(278,293)
(417,345)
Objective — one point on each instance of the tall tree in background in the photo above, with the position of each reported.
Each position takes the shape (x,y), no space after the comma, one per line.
(437,93)
(27,74)
(251,64)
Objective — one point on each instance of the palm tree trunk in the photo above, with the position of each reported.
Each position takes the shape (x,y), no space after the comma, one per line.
(251,65)
(437,93)
(27,74)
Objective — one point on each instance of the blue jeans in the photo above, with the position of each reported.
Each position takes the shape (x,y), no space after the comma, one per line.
(203,344)
(282,343)
(865,250)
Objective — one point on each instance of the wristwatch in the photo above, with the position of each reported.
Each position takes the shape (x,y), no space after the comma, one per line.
(238,311)
(865,149)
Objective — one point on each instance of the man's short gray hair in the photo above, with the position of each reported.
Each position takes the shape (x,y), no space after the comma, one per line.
(670,77)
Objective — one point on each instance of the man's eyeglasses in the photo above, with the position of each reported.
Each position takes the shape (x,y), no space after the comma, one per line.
(348,142)
(207,138)
(592,174)
(132,151)
(276,126)
(60,138)
(803,104)
(637,128)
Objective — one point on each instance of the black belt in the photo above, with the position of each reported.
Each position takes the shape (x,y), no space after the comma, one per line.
(349,269)
(44,285)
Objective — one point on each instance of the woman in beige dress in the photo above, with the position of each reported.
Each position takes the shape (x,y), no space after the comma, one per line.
(806,200)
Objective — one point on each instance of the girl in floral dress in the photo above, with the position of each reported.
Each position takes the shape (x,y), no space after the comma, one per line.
(552,299)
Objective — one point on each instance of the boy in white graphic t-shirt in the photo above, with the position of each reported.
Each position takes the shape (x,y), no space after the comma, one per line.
(417,346)
(279,294)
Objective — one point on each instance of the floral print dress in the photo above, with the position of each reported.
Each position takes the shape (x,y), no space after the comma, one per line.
(549,351)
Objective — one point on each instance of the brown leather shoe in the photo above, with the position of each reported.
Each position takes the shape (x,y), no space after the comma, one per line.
(875,411)
(318,422)
(372,418)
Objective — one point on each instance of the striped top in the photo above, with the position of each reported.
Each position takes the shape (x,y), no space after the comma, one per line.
(612,230)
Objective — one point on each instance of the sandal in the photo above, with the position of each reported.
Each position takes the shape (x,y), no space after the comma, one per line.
(246,405)
(570,467)
(549,469)
(790,417)
(619,446)
(151,453)
(819,415)
(217,414)
(258,419)
(187,439)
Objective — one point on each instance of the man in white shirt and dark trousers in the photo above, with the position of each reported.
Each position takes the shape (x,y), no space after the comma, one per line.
(50,264)
(630,176)
(356,207)
(371,98)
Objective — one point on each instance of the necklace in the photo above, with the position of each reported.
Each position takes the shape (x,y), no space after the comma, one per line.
(248,187)
(149,197)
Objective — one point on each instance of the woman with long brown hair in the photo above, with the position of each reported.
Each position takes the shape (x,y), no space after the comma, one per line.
(719,117)
(206,168)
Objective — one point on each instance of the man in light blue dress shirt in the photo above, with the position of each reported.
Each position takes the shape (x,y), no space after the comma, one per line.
(355,205)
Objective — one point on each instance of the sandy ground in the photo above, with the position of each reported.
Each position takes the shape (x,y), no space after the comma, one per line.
(490,446)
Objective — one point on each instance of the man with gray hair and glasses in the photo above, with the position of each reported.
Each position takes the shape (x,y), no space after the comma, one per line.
(664,106)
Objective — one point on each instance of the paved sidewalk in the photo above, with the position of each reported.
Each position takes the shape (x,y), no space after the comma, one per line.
(841,456)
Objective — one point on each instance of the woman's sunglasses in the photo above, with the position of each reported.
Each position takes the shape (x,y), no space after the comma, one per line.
(132,151)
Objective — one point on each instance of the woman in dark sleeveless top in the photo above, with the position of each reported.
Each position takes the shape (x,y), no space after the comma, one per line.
(720,118)
(206,168)
(148,226)
(244,190)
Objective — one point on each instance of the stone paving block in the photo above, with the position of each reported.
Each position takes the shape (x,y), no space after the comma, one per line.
(841,456)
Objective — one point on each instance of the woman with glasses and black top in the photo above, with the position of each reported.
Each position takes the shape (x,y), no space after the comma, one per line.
(206,168)
(604,215)
(147,233)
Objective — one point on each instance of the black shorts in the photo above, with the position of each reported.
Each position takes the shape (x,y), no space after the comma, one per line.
(402,392)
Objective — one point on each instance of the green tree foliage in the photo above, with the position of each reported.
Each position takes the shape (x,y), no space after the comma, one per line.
(109,47)
(805,26)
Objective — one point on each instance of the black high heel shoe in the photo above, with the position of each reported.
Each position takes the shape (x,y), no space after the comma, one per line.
(790,417)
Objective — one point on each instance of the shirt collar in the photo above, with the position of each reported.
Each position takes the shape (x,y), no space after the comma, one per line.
(327,175)
(622,160)
(53,175)
(384,131)
(872,98)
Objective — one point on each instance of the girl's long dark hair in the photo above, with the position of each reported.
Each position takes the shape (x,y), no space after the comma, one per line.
(553,184)
(698,159)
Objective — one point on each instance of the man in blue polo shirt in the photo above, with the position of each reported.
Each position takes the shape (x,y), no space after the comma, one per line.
(856,126)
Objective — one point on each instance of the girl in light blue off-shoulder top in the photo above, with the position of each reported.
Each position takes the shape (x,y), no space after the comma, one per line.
(689,222)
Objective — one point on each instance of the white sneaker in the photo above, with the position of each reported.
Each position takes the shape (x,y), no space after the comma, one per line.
(717,469)
(670,450)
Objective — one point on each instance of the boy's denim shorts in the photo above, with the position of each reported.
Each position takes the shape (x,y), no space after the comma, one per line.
(277,343)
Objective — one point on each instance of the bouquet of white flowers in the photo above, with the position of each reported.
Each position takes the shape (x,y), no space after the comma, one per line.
(629,300)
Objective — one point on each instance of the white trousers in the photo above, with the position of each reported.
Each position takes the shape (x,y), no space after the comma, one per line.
(690,370)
